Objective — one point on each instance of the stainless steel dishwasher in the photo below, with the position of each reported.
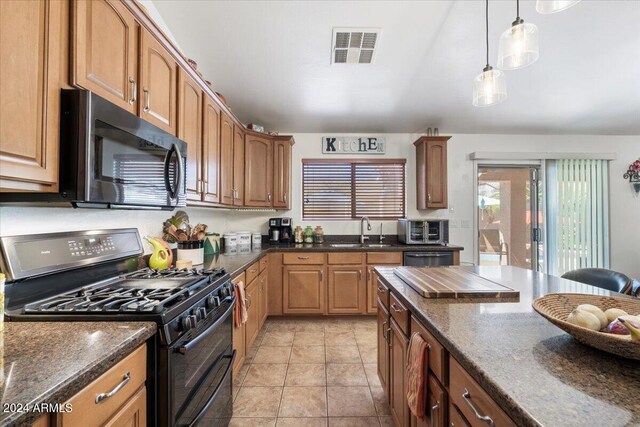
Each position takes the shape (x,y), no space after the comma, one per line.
(428,258)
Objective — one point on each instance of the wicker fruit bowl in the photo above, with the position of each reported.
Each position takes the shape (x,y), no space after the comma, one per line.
(556,308)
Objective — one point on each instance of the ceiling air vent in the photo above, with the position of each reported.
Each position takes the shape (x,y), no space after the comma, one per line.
(354,45)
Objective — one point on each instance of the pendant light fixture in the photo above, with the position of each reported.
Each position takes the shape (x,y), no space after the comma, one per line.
(489,87)
(553,6)
(518,44)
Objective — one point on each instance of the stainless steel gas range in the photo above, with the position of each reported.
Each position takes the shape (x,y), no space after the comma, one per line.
(93,275)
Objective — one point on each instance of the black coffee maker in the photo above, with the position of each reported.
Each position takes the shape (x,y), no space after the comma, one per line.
(280,231)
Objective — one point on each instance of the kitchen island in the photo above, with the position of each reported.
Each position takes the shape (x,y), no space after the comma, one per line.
(47,363)
(534,372)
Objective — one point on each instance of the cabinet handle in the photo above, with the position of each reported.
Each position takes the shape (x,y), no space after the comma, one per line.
(434,408)
(303,257)
(269,196)
(133,95)
(284,196)
(395,308)
(147,100)
(321,275)
(253,270)
(381,290)
(484,418)
(247,301)
(359,275)
(383,330)
(389,341)
(103,396)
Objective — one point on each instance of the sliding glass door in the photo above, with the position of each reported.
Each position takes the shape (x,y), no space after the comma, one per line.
(509,216)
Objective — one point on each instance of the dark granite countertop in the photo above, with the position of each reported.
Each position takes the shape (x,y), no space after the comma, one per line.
(536,372)
(49,362)
(237,262)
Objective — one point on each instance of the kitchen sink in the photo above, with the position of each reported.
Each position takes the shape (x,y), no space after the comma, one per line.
(378,245)
(345,245)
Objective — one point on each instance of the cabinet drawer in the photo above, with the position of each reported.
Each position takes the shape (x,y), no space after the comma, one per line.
(455,417)
(344,257)
(239,278)
(381,258)
(134,366)
(437,355)
(383,293)
(399,313)
(473,402)
(252,272)
(303,258)
(263,263)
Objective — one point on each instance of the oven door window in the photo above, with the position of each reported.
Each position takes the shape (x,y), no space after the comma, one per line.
(417,231)
(198,371)
(128,169)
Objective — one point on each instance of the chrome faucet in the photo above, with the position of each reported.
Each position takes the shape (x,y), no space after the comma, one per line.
(362,236)
(381,235)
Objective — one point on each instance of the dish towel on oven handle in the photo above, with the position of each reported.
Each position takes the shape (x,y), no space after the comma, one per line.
(417,367)
(240,315)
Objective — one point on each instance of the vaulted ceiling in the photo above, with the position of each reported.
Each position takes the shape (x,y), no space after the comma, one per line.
(271,59)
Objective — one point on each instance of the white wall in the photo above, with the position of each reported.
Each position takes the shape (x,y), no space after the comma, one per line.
(624,205)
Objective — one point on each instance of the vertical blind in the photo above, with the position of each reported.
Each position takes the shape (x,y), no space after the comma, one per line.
(349,189)
(579,214)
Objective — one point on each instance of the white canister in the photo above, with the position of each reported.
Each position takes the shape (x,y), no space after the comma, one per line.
(256,240)
(244,249)
(191,250)
(244,238)
(230,240)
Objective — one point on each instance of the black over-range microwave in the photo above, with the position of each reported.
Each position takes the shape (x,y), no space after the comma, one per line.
(110,158)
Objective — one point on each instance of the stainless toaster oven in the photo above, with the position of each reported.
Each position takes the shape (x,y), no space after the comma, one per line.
(423,231)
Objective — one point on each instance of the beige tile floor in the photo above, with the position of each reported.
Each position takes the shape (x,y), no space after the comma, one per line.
(311,372)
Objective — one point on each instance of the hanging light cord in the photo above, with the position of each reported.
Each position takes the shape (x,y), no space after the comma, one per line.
(486,21)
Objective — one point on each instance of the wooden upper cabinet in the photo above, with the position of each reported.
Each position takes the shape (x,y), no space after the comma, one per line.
(158,77)
(282,173)
(347,292)
(238,165)
(33,48)
(258,182)
(190,131)
(211,150)
(431,172)
(227,193)
(105,46)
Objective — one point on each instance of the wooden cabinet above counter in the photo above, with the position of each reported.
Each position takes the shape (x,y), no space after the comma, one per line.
(114,49)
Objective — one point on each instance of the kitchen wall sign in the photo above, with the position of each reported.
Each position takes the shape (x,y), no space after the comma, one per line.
(353,145)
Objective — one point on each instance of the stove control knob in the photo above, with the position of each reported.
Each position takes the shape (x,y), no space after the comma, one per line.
(188,322)
(224,292)
(210,302)
(201,313)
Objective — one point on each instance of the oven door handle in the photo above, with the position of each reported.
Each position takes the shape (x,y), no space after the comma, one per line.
(185,347)
(227,372)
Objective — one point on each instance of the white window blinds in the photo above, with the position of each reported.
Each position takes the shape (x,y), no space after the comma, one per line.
(578,213)
(349,189)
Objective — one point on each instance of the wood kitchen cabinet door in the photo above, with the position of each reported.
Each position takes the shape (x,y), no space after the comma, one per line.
(347,292)
(282,173)
(133,413)
(304,289)
(211,150)
(383,348)
(227,192)
(252,327)
(397,382)
(258,181)
(238,165)
(190,131)
(158,77)
(105,51)
(33,69)
(239,333)
(436,411)
(264,296)
(431,172)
